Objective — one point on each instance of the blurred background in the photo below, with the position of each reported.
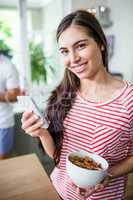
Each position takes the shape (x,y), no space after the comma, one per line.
(28,27)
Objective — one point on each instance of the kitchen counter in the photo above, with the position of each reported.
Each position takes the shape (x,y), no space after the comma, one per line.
(23,178)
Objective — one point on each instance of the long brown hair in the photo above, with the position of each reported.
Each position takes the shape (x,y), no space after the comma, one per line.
(63,96)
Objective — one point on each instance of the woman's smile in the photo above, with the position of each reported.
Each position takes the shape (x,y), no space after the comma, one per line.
(79,68)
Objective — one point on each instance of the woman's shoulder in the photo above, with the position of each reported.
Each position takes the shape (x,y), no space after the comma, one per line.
(128,95)
(124,88)
(129,86)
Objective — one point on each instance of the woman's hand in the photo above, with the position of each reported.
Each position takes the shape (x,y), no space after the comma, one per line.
(90,190)
(99,187)
(31,124)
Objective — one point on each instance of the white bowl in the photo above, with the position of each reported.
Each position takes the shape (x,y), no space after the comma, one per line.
(82,177)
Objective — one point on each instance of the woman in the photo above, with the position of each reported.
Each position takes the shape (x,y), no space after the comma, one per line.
(90,110)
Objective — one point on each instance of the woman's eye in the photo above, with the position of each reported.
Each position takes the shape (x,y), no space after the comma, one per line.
(64,52)
(81,46)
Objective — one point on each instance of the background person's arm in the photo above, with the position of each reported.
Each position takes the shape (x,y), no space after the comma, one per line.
(9,95)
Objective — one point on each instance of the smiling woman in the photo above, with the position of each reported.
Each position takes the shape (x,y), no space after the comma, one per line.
(90,110)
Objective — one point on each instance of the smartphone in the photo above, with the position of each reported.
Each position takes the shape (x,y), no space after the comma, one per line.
(29,104)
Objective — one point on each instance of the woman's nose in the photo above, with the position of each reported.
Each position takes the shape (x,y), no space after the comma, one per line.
(74,57)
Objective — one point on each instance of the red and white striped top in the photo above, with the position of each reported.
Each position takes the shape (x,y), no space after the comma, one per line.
(103,128)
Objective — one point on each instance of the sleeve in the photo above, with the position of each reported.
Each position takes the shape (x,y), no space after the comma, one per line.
(12,80)
(130,152)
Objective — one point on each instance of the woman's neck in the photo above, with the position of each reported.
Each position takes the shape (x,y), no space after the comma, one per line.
(101,89)
(100,81)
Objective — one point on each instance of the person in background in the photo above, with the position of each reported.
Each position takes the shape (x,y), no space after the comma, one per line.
(9,90)
(90,110)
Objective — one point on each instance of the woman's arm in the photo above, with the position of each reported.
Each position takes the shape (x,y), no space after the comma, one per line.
(31,124)
(48,143)
(122,168)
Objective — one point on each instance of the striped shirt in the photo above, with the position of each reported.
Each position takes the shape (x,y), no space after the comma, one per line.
(104,128)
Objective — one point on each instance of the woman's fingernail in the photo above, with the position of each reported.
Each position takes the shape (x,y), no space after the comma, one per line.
(99,187)
(82,193)
(37,117)
(31,134)
(41,122)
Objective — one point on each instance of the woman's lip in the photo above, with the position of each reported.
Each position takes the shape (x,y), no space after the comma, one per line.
(79,68)
(79,65)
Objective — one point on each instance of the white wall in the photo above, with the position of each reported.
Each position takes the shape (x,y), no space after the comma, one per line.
(122,16)
(122,28)
(52,16)
(53,13)
(81,4)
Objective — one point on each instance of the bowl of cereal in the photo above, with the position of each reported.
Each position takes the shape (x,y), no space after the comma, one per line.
(86,169)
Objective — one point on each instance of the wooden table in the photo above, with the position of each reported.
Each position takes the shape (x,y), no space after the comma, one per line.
(23,178)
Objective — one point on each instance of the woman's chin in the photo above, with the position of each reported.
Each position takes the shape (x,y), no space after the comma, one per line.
(81,75)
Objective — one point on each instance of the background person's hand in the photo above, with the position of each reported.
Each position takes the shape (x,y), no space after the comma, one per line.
(31,124)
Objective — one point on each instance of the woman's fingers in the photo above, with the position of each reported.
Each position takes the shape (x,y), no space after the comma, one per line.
(99,187)
(85,192)
(81,191)
(89,191)
(31,124)
(32,119)
(34,127)
(36,133)
(25,116)
(103,184)
(106,180)
(70,182)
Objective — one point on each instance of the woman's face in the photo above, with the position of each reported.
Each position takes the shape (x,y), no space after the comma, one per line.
(80,53)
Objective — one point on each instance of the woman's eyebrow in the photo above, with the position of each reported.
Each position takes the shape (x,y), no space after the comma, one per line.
(83,40)
(62,48)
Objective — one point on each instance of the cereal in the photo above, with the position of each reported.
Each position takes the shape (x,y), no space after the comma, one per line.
(85,162)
